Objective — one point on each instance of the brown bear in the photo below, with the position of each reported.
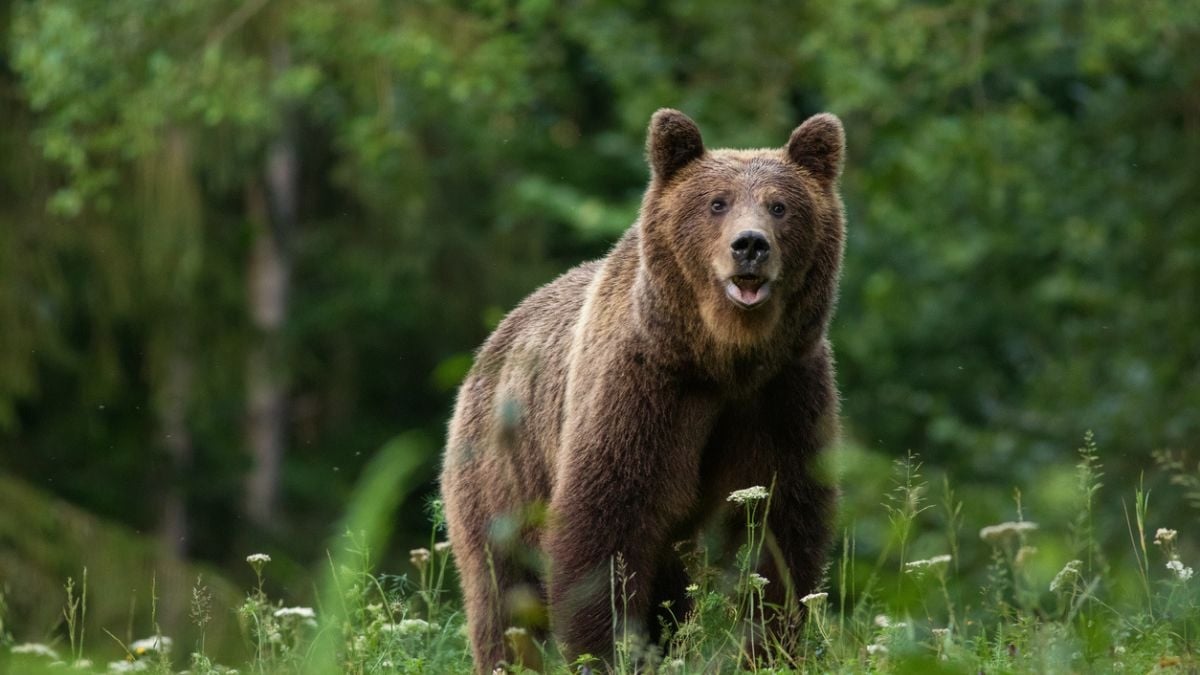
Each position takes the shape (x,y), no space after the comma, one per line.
(631,395)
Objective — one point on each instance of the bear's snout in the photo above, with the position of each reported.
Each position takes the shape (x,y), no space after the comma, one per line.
(749,284)
(750,251)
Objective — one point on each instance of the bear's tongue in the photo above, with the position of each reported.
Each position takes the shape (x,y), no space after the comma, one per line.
(748,289)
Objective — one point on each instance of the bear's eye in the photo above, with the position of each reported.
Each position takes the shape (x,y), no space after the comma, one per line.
(719,205)
(777,209)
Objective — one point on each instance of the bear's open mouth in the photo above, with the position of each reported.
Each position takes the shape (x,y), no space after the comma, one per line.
(747,290)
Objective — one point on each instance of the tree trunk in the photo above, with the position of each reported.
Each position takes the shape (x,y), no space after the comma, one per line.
(265,385)
(273,217)
(177,439)
(171,245)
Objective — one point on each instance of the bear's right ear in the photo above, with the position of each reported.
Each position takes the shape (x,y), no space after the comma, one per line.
(672,142)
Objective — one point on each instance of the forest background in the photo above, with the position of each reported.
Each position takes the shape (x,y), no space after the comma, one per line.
(245,245)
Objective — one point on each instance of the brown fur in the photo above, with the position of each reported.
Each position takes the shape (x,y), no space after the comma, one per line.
(631,396)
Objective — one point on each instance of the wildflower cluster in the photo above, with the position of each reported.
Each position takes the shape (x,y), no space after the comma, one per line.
(1024,554)
(408,627)
(750,494)
(998,534)
(1182,572)
(419,557)
(156,644)
(35,649)
(921,566)
(258,560)
(814,599)
(1165,539)
(1068,574)
(303,613)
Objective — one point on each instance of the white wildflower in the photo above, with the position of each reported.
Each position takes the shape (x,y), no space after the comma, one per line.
(1164,536)
(994,534)
(676,665)
(1024,554)
(297,612)
(128,666)
(884,621)
(257,561)
(1182,573)
(515,632)
(1068,573)
(919,566)
(419,556)
(750,494)
(813,599)
(442,547)
(876,649)
(35,649)
(1119,650)
(692,588)
(758,581)
(415,626)
(155,643)
(941,633)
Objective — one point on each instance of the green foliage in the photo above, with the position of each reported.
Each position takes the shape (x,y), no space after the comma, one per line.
(1018,239)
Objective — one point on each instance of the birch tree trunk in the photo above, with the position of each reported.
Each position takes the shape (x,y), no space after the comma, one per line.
(171,244)
(273,217)
(177,439)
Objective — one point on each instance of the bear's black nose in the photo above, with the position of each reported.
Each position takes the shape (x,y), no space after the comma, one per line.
(751,247)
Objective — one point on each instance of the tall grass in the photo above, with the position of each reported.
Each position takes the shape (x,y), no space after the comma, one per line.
(1012,598)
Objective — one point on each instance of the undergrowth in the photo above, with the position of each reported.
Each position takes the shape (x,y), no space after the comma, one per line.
(897,613)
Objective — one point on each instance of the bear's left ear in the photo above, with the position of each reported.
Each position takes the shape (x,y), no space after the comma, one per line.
(818,145)
(672,142)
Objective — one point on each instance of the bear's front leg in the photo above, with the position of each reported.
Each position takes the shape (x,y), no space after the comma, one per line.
(800,527)
(801,425)
(600,560)
(628,472)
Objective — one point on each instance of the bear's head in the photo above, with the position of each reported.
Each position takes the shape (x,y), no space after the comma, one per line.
(750,240)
